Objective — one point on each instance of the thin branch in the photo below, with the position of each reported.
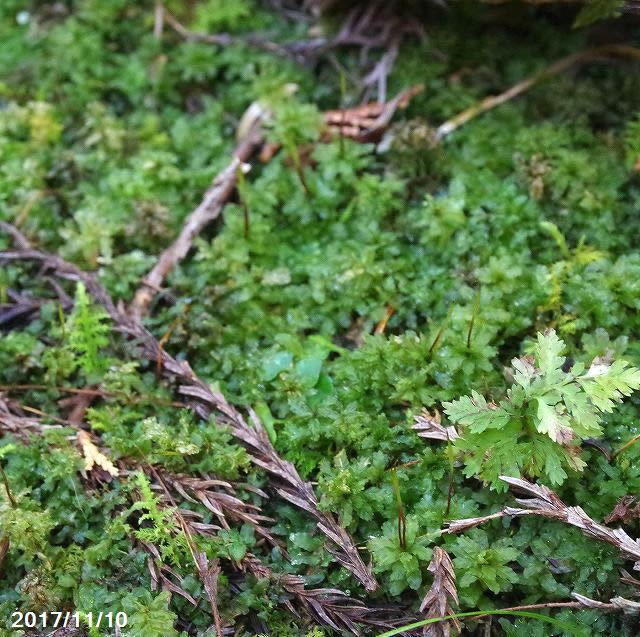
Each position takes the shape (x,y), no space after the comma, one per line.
(382,70)
(542,501)
(205,401)
(558,67)
(18,238)
(7,489)
(158,20)
(94,392)
(209,209)
(615,604)
(372,26)
(625,446)
(459,526)
(224,39)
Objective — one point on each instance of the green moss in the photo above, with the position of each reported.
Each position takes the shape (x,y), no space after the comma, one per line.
(520,221)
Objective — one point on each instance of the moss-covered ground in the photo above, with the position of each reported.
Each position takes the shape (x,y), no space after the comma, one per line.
(345,289)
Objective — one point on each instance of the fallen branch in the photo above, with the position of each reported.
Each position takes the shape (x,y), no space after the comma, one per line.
(18,238)
(204,402)
(558,67)
(544,502)
(18,425)
(209,209)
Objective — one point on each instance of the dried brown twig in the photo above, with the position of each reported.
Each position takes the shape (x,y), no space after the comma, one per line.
(544,502)
(204,402)
(367,26)
(209,209)
(615,604)
(375,25)
(627,606)
(18,425)
(556,68)
(223,39)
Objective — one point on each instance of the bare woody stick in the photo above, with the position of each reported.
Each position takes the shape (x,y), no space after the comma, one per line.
(540,500)
(204,402)
(488,103)
(209,209)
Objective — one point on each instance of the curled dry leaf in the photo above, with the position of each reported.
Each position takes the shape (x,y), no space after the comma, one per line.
(428,426)
(366,123)
(437,602)
(93,455)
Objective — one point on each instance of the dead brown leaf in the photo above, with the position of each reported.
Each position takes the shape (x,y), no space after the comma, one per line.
(437,602)
(428,426)
(367,123)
